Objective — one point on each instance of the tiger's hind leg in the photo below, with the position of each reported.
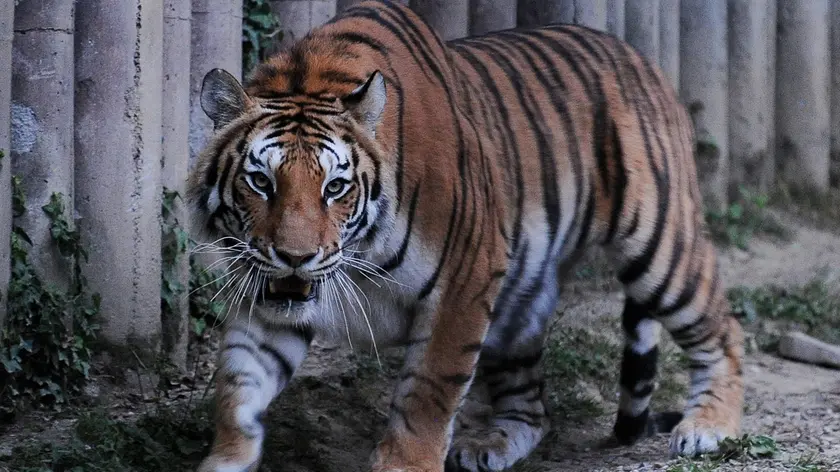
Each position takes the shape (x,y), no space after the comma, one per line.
(678,286)
(510,369)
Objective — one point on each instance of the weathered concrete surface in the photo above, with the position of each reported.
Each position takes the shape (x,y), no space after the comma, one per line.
(298,17)
(752,79)
(669,40)
(641,27)
(492,15)
(118,149)
(835,94)
(801,347)
(176,156)
(42,124)
(450,18)
(592,13)
(615,18)
(217,33)
(703,88)
(6,16)
(344,4)
(803,104)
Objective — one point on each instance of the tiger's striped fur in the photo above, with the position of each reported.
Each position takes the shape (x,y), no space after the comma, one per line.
(475,171)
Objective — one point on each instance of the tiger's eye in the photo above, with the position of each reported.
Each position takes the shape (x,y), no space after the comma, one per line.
(334,188)
(261,181)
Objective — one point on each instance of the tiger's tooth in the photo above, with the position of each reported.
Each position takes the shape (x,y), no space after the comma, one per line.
(272,286)
(307,289)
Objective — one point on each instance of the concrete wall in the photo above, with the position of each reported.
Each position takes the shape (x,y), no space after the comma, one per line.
(492,15)
(217,33)
(118,149)
(297,17)
(6,17)
(615,18)
(175,151)
(704,80)
(669,40)
(450,18)
(752,56)
(835,94)
(42,136)
(641,27)
(802,92)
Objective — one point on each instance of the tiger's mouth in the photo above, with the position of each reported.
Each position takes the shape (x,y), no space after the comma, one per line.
(290,289)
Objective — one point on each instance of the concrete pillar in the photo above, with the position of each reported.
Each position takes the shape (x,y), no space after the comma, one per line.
(118,164)
(341,5)
(298,17)
(591,13)
(641,27)
(835,94)
(703,88)
(217,35)
(42,124)
(752,56)
(615,18)
(450,18)
(7,8)
(176,151)
(531,13)
(669,40)
(492,15)
(802,93)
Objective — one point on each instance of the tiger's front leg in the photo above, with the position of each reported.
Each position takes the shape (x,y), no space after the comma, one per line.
(439,367)
(255,364)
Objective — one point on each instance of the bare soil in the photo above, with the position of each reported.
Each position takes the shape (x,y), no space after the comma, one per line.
(329,419)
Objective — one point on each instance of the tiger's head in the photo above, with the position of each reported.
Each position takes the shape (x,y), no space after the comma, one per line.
(288,183)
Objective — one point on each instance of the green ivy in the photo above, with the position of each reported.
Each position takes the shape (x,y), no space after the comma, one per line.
(175,242)
(259,29)
(45,344)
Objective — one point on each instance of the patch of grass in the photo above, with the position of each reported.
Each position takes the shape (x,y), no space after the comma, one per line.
(574,357)
(813,308)
(742,219)
(167,439)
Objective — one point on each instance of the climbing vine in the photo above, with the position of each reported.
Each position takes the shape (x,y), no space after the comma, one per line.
(259,29)
(45,345)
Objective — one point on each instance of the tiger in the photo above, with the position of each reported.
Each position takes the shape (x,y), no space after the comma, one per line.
(376,186)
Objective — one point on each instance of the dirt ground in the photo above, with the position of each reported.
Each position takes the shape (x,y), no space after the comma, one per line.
(328,420)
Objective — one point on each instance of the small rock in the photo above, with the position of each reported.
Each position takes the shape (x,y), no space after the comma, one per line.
(801,347)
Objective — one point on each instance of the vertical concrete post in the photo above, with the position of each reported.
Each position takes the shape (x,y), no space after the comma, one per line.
(341,5)
(217,35)
(752,55)
(298,17)
(531,13)
(835,94)
(176,156)
(703,87)
(802,93)
(669,40)
(591,13)
(42,124)
(450,18)
(492,15)
(615,18)
(7,15)
(641,27)
(118,148)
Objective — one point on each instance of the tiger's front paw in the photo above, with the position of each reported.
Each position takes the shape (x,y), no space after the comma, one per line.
(694,436)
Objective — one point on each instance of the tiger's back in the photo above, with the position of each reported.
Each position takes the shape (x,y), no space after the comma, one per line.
(492,164)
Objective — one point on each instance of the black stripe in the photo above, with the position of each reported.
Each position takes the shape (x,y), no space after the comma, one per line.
(281,361)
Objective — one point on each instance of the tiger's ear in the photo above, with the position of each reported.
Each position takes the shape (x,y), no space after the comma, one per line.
(367,102)
(222,97)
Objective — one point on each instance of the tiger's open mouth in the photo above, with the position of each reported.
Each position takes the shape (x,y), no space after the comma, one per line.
(292,288)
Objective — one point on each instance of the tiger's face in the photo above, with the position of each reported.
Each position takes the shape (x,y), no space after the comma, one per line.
(287,185)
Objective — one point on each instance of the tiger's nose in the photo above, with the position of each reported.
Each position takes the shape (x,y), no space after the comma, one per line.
(295,260)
